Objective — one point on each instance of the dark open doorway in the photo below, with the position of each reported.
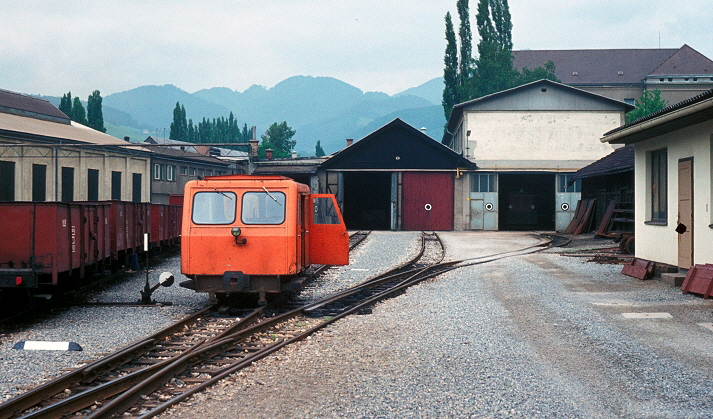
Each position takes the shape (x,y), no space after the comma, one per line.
(527,201)
(367,200)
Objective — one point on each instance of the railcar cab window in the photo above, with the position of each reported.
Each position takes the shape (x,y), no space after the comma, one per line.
(214,207)
(263,208)
(324,211)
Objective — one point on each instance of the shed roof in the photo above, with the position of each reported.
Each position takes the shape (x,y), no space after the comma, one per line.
(38,129)
(688,112)
(618,161)
(29,106)
(397,146)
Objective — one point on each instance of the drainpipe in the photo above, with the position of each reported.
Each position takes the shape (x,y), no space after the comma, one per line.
(56,173)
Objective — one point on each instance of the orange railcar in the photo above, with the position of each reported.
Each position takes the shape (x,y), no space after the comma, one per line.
(256,234)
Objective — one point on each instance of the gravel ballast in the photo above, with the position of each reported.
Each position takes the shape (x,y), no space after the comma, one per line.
(101,329)
(536,336)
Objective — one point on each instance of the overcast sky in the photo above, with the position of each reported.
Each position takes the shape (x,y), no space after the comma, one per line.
(52,47)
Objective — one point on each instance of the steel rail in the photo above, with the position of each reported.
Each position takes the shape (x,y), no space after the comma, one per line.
(132,387)
(90,371)
(130,397)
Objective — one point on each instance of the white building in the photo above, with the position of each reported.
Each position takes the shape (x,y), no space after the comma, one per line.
(673,181)
(528,142)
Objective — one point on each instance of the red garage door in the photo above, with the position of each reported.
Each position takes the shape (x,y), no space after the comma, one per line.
(428,201)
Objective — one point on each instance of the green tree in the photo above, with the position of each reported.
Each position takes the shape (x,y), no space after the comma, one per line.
(78,113)
(494,69)
(95,116)
(179,126)
(65,104)
(546,72)
(318,150)
(646,104)
(451,94)
(278,137)
(466,68)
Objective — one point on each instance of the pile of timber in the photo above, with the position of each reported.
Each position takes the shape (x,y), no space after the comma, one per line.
(618,220)
(582,217)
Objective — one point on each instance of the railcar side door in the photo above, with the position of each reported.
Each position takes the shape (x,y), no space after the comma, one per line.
(328,238)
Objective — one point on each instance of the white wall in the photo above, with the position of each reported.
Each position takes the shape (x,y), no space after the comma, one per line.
(540,135)
(659,243)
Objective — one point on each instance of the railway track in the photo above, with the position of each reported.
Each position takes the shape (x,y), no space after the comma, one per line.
(150,376)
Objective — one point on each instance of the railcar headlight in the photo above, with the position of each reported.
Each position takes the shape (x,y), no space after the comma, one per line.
(235,231)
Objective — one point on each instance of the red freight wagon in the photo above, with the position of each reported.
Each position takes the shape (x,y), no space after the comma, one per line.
(43,238)
(128,221)
(159,225)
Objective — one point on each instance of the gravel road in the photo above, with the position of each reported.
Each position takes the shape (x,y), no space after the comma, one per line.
(536,336)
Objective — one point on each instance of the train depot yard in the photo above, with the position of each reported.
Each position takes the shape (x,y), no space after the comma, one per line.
(518,330)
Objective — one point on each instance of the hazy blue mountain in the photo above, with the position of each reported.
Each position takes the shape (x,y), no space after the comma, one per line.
(432,91)
(430,118)
(317,108)
(334,131)
(152,106)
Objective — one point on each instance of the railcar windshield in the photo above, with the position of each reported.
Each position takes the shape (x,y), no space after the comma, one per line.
(214,207)
(324,211)
(263,208)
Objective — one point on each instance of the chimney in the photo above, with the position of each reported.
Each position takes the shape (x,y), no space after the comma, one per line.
(127,139)
(350,141)
(268,153)
(253,147)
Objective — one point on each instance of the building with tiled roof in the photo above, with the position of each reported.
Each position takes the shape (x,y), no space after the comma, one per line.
(44,156)
(624,74)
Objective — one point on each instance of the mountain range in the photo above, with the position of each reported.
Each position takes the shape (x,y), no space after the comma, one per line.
(317,108)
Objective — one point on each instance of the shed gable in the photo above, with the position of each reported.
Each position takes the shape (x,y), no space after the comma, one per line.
(397,146)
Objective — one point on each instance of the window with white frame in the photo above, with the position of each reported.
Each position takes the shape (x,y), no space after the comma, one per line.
(170,173)
(157,171)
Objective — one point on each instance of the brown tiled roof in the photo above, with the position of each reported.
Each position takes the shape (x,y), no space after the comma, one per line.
(596,66)
(29,105)
(620,160)
(686,61)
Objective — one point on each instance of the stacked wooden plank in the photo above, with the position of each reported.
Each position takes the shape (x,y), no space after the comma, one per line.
(582,217)
(639,268)
(699,280)
(618,220)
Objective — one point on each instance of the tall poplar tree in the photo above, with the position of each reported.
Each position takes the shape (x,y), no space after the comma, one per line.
(65,104)
(451,89)
(78,112)
(466,68)
(494,69)
(95,116)
(179,126)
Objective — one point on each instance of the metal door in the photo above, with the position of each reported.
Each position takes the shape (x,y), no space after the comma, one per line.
(477,207)
(428,201)
(328,238)
(685,213)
